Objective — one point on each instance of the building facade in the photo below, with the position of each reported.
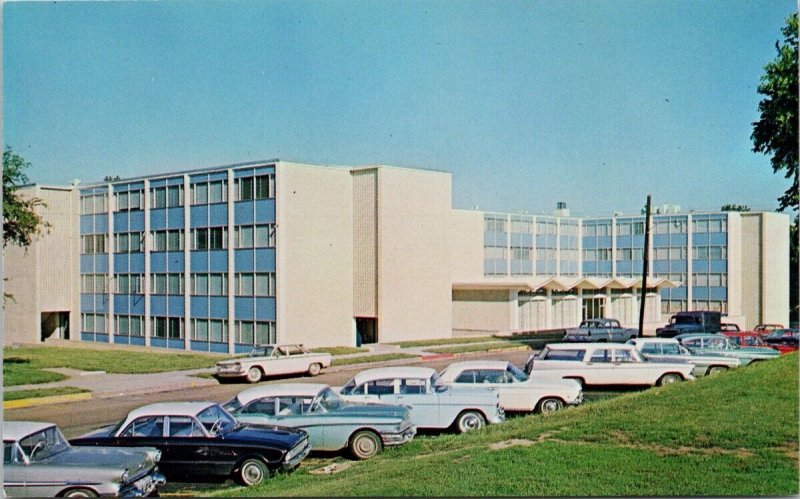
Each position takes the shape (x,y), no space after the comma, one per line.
(220,259)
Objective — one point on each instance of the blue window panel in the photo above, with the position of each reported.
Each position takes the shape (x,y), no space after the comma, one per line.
(665,294)
(545,241)
(136,221)
(265,210)
(158,183)
(128,187)
(137,262)
(175,181)
(264,170)
(158,219)
(488,267)
(158,342)
(158,305)
(243,172)
(265,309)
(718,293)
(604,241)
(700,239)
(718,266)
(660,266)
(176,344)
(240,348)
(604,267)
(546,268)
(87,302)
(699,265)
(87,264)
(87,224)
(678,293)
(198,261)
(494,239)
(218,214)
(121,304)
(199,346)
(718,238)
(636,266)
(198,216)
(101,337)
(678,239)
(218,347)
(624,267)
(590,242)
(223,175)
(678,266)
(175,217)
(198,306)
(244,260)
(244,308)
(218,261)
(700,293)
(122,340)
(101,264)
(218,307)
(137,304)
(100,223)
(243,213)
(522,240)
(101,303)
(87,336)
(521,267)
(660,240)
(158,262)
(137,340)
(637,241)
(121,222)
(568,242)
(121,263)
(624,241)
(174,261)
(175,304)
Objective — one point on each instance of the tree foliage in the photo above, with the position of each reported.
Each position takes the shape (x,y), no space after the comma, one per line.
(775,133)
(735,207)
(20,220)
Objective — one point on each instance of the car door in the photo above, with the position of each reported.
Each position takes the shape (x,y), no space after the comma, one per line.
(598,368)
(425,403)
(189,447)
(148,431)
(626,370)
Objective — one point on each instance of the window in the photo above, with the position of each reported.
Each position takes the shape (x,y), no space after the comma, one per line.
(601,356)
(576,354)
(265,186)
(521,253)
(210,284)
(166,284)
(651,348)
(244,188)
(129,283)
(245,284)
(623,356)
(590,254)
(700,252)
(380,387)
(265,284)
(265,236)
(700,226)
(167,327)
(661,253)
(670,349)
(129,200)
(254,333)
(604,229)
(129,325)
(700,280)
(184,426)
(638,228)
(717,253)
(212,238)
(210,330)
(718,225)
(412,386)
(94,283)
(167,240)
(94,203)
(495,224)
(148,426)
(604,254)
(677,253)
(217,193)
(623,229)
(93,323)
(93,243)
(243,236)
(200,193)
(128,242)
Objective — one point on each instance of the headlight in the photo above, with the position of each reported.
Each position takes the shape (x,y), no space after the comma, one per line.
(157,456)
(124,477)
(296,450)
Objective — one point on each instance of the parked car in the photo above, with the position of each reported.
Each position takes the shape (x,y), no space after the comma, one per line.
(332,423)
(767,328)
(783,340)
(746,338)
(697,321)
(39,462)
(432,406)
(669,350)
(518,391)
(722,345)
(202,439)
(603,364)
(273,360)
(729,327)
(600,330)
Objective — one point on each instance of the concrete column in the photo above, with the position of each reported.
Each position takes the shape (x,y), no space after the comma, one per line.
(613,247)
(533,249)
(146,277)
(231,263)
(187,268)
(689,270)
(110,251)
(558,246)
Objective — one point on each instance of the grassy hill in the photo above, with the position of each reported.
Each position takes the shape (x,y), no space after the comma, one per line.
(732,434)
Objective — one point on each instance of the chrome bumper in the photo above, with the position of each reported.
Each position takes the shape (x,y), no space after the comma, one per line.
(143,486)
(292,463)
(399,438)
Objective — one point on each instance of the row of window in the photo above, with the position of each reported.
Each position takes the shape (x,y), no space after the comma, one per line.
(248,332)
(710,280)
(245,189)
(245,236)
(214,284)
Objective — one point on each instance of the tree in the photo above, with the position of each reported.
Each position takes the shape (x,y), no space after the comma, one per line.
(735,207)
(775,133)
(20,220)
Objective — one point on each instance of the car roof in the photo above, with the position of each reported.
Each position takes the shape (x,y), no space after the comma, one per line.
(17,430)
(170,409)
(654,340)
(393,372)
(700,335)
(584,346)
(276,345)
(478,364)
(281,390)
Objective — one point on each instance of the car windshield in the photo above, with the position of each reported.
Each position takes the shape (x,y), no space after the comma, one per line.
(261,351)
(516,373)
(685,319)
(347,389)
(216,420)
(44,444)
(232,405)
(329,400)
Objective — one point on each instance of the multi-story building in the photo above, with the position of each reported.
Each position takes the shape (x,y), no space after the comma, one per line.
(223,258)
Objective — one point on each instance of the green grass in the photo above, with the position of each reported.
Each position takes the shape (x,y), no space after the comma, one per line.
(729,435)
(444,341)
(339,350)
(22,365)
(532,339)
(42,392)
(371,358)
(478,347)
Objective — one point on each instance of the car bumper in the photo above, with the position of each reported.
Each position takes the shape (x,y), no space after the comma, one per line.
(143,486)
(294,462)
(399,438)
(577,339)
(230,373)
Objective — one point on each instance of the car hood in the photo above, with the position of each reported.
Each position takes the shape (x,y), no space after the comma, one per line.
(133,458)
(279,437)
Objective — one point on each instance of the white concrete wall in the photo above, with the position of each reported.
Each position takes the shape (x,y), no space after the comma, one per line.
(735,314)
(482,312)
(414,286)
(314,246)
(466,248)
(775,268)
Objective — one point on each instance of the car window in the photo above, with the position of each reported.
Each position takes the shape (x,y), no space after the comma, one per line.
(716,343)
(564,355)
(694,342)
(495,376)
(280,352)
(412,386)
(216,416)
(328,401)
(670,349)
(261,352)
(380,387)
(514,373)
(11,453)
(184,426)
(623,356)
(148,426)
(736,339)
(294,350)
(602,355)
(293,406)
(265,406)
(350,388)
(467,376)
(44,444)
(651,348)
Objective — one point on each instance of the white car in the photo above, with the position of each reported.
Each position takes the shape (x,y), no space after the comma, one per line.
(606,364)
(518,391)
(272,360)
(669,350)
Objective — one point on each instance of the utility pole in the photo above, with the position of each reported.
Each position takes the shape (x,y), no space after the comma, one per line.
(645,264)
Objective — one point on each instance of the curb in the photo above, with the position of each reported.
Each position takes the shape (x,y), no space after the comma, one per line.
(55,399)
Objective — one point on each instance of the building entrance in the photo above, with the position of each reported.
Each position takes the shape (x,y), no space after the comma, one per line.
(366,330)
(594,308)
(55,325)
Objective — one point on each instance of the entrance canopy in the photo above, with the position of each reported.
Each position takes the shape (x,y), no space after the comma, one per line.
(563,283)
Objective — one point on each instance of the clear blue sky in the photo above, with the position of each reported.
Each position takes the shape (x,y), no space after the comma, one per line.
(527,103)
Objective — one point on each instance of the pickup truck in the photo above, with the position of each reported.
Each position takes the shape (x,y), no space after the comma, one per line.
(600,330)
(272,360)
(700,321)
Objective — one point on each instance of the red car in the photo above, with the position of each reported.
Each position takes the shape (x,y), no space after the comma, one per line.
(783,340)
(763,329)
(746,338)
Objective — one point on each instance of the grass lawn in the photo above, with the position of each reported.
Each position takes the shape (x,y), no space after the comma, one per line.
(42,392)
(371,358)
(22,365)
(478,347)
(444,341)
(535,340)
(728,435)
(339,350)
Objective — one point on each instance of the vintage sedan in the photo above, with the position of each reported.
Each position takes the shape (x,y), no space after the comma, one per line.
(518,391)
(669,350)
(605,364)
(202,439)
(39,462)
(600,330)
(722,345)
(746,338)
(432,406)
(332,423)
(783,340)
(273,360)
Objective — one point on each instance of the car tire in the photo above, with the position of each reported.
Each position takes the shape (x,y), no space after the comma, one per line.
(549,405)
(716,370)
(254,375)
(314,369)
(469,421)
(252,472)
(79,493)
(669,379)
(365,444)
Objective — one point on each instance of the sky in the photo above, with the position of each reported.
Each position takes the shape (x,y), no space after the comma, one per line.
(596,103)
